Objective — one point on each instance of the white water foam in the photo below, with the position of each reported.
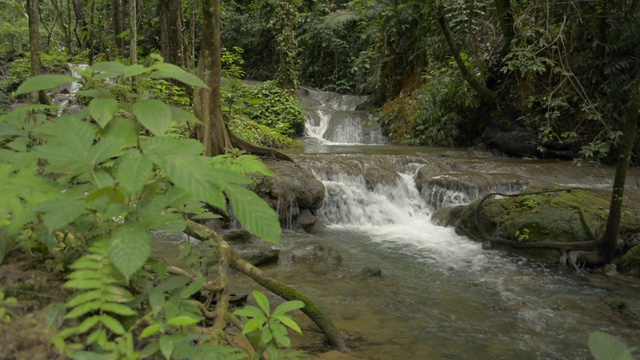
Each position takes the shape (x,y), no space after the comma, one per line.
(397,217)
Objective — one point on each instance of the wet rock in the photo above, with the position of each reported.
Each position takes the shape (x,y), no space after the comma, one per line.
(630,262)
(290,192)
(463,187)
(372,272)
(447,216)
(250,248)
(308,222)
(316,254)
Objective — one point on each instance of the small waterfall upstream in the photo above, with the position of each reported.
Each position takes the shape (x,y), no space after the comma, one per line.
(441,295)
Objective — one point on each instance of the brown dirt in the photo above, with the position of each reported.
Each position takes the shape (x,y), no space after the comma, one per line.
(25,335)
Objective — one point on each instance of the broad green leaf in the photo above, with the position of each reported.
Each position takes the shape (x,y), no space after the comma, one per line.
(129,249)
(19,144)
(103,109)
(253,324)
(159,147)
(286,320)
(80,284)
(43,82)
(156,299)
(262,301)
(249,311)
(178,114)
(135,69)
(54,218)
(193,175)
(193,288)
(113,324)
(150,330)
(166,346)
(71,132)
(172,283)
(96,93)
(182,320)
(166,70)
(89,355)
(288,306)
(254,214)
(132,171)
(112,195)
(110,67)
(125,130)
(87,324)
(154,115)
(607,347)
(267,335)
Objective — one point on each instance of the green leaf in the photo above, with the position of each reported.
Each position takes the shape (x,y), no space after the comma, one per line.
(154,115)
(166,70)
(166,346)
(280,334)
(193,288)
(132,171)
(178,114)
(150,330)
(262,301)
(254,213)
(102,110)
(156,299)
(43,82)
(60,212)
(267,335)
(129,248)
(113,324)
(96,93)
(159,147)
(182,320)
(135,69)
(606,347)
(253,324)
(194,176)
(286,320)
(244,164)
(250,311)
(83,309)
(84,297)
(110,67)
(288,306)
(125,130)
(118,309)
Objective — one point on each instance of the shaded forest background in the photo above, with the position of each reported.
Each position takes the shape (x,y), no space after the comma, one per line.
(439,71)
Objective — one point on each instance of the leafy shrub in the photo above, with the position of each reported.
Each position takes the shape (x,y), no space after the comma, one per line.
(93,178)
(262,135)
(434,113)
(267,105)
(20,70)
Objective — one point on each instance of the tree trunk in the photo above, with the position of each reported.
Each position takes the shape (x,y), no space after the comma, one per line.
(171,37)
(118,26)
(81,25)
(34,44)
(92,32)
(213,133)
(133,28)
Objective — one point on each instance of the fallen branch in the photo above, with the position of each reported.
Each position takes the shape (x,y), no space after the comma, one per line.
(334,337)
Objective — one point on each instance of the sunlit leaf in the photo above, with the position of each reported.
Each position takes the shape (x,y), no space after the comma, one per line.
(129,248)
(607,347)
(262,301)
(254,213)
(43,82)
(166,70)
(102,110)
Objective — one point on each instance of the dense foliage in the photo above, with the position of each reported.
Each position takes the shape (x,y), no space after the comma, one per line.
(87,188)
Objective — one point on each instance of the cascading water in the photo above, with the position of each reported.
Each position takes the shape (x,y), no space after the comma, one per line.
(332,119)
(441,295)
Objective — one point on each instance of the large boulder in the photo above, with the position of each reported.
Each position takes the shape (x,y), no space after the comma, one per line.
(554,216)
(294,193)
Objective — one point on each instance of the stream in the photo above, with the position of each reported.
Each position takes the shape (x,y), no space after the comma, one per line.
(440,296)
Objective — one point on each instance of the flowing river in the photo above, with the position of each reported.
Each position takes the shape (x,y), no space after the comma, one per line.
(440,296)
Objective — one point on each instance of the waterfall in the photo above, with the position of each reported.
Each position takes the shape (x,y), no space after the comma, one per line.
(333,119)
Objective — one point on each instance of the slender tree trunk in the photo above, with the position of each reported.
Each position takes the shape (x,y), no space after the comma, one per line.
(213,133)
(118,26)
(133,28)
(609,242)
(80,25)
(34,44)
(171,36)
(92,32)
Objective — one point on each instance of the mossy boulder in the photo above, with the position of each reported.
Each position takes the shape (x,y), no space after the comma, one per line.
(564,216)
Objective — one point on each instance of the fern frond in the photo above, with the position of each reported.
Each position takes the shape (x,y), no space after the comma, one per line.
(339,17)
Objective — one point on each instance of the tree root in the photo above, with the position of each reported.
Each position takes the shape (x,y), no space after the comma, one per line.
(334,337)
(255,149)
